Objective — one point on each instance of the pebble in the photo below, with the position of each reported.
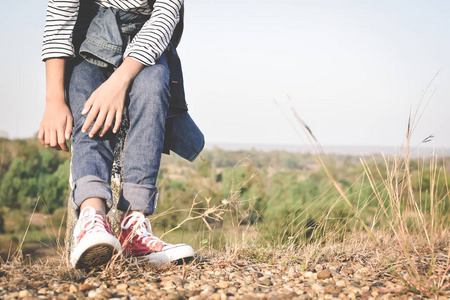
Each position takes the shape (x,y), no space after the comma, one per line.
(174,296)
(332,289)
(106,294)
(24,294)
(207,291)
(222,284)
(341,283)
(73,289)
(85,287)
(121,287)
(318,288)
(92,294)
(265,281)
(324,274)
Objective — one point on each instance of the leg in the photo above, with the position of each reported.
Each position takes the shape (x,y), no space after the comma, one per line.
(147,109)
(143,147)
(91,157)
(94,242)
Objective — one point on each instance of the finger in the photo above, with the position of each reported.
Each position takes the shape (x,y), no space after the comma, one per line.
(41,135)
(108,122)
(98,123)
(47,138)
(89,119)
(61,141)
(53,138)
(118,121)
(69,128)
(88,104)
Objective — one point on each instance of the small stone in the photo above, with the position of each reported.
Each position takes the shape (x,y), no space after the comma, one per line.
(222,284)
(174,296)
(308,274)
(85,287)
(73,289)
(332,289)
(106,294)
(208,290)
(66,297)
(340,283)
(318,288)
(24,294)
(121,287)
(190,293)
(324,274)
(178,281)
(231,290)
(215,297)
(138,293)
(92,294)
(265,281)
(43,291)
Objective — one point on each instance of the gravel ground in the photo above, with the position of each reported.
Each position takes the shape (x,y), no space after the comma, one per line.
(203,279)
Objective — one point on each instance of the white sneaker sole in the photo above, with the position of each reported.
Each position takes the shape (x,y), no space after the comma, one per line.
(94,249)
(170,253)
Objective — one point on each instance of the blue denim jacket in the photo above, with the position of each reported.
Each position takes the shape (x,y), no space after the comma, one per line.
(101,36)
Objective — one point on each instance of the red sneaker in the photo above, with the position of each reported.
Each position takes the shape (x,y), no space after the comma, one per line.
(94,241)
(138,241)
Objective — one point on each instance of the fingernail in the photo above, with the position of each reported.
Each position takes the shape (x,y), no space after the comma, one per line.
(67,136)
(83,130)
(83,111)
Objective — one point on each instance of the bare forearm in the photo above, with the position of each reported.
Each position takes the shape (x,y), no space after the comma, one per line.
(55,79)
(128,70)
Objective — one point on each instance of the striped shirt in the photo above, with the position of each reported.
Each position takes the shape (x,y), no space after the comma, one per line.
(146,47)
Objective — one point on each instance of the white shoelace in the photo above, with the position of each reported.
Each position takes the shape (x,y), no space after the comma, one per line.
(141,228)
(91,221)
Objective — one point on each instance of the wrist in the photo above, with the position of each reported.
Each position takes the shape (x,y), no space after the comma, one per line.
(54,99)
(128,70)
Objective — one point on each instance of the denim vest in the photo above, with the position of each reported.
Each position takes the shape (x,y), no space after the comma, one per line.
(100,37)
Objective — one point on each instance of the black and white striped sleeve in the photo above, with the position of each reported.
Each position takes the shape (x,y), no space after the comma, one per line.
(59,24)
(153,38)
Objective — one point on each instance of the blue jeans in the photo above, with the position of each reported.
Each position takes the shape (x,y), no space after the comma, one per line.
(92,157)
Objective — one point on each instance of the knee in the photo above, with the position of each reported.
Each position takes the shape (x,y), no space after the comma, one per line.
(152,81)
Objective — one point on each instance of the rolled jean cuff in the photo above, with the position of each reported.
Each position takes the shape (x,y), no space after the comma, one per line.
(138,197)
(91,187)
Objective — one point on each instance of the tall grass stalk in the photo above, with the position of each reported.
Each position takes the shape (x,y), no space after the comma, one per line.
(404,211)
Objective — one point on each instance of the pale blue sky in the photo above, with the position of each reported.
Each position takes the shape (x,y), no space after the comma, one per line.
(353,69)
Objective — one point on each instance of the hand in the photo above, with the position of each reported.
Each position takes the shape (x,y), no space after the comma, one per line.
(105,104)
(56,126)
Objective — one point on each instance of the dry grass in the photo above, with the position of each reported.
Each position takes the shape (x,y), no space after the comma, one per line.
(414,241)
